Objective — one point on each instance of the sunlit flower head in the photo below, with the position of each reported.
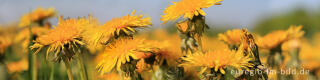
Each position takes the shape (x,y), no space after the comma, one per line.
(66,35)
(121,51)
(232,37)
(127,24)
(218,60)
(188,8)
(36,15)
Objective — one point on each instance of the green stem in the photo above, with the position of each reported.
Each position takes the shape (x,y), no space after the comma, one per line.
(81,66)
(32,58)
(52,71)
(69,72)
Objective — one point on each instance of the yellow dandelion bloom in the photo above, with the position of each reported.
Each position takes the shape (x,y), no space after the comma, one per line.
(218,60)
(92,33)
(126,24)
(5,41)
(308,54)
(232,37)
(272,40)
(67,33)
(122,51)
(6,38)
(19,66)
(188,8)
(36,15)
(275,38)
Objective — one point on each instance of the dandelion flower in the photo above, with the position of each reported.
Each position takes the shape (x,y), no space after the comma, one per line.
(188,8)
(6,37)
(66,35)
(232,37)
(310,60)
(19,66)
(127,24)
(274,39)
(36,15)
(293,39)
(122,26)
(218,60)
(121,51)
(4,43)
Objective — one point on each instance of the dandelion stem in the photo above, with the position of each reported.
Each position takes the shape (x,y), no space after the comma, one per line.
(32,58)
(52,71)
(69,72)
(81,66)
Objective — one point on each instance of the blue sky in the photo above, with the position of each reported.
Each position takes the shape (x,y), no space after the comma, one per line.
(232,13)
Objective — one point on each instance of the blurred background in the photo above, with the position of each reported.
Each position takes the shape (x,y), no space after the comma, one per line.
(260,16)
